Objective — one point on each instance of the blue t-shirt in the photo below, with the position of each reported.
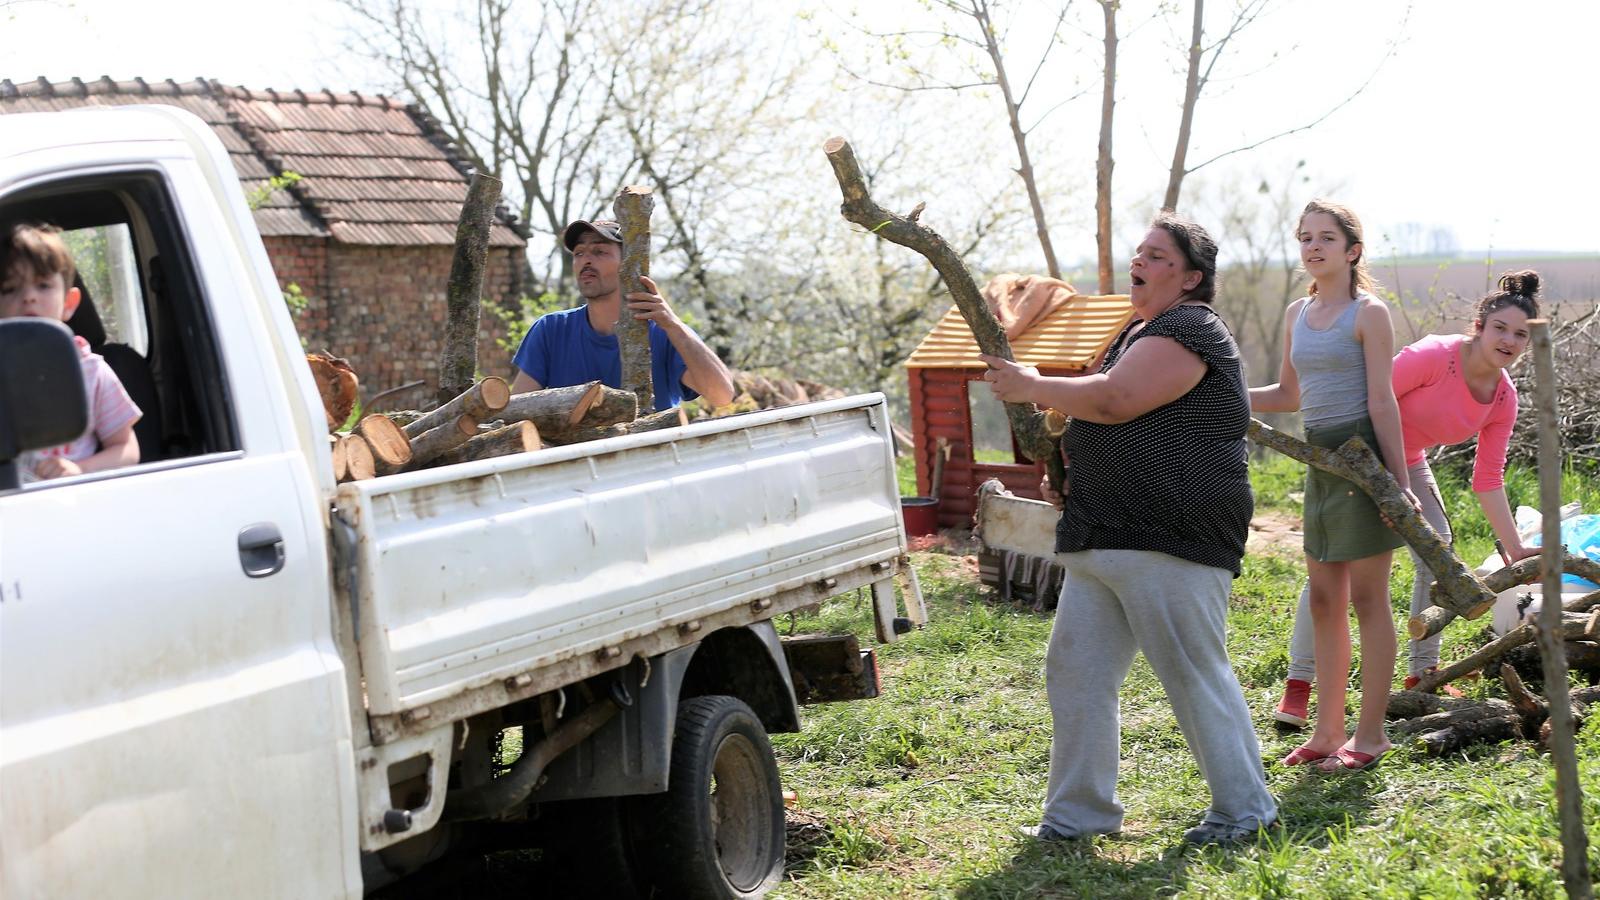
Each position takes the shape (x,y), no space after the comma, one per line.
(563,349)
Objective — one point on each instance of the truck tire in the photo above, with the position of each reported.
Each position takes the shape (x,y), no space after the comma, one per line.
(717,832)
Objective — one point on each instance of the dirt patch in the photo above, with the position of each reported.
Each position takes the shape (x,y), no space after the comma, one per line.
(1273,531)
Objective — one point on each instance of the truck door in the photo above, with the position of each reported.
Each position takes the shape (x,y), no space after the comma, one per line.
(173,716)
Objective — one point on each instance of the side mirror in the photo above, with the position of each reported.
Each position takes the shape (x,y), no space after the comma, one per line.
(42,400)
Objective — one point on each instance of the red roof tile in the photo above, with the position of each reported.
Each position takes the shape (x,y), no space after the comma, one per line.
(373,170)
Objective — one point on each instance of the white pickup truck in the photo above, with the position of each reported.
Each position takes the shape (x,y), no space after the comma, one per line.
(224,675)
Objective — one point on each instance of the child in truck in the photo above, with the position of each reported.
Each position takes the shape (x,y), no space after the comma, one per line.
(36,276)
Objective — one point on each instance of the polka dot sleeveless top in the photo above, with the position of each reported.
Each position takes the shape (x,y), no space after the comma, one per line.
(1175,480)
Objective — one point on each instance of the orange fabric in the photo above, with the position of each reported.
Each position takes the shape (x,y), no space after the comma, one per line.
(1020,302)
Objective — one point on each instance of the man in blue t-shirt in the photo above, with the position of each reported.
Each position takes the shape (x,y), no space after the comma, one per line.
(576,346)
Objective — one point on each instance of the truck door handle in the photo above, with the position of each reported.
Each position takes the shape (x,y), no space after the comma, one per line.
(260,549)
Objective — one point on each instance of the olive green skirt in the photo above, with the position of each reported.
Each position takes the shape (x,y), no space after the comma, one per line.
(1341,521)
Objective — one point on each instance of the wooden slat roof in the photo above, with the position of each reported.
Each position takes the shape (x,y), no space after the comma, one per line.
(373,170)
(1069,338)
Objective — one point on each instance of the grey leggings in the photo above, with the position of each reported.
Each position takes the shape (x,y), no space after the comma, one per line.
(1424,653)
(1114,604)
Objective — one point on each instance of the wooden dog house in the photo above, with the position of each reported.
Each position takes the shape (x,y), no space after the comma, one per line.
(945,404)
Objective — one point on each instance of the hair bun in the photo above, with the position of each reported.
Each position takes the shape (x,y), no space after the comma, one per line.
(1524,283)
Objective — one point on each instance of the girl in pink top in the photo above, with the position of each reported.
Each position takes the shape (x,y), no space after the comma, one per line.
(1451,388)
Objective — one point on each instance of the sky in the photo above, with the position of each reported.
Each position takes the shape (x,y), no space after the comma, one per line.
(1482,120)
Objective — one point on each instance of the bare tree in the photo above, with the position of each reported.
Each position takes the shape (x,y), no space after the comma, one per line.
(1202,63)
(1104,162)
(976,27)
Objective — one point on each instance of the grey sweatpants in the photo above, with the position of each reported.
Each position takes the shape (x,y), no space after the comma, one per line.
(1424,653)
(1115,603)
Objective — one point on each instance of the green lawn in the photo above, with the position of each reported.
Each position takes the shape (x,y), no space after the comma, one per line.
(919,792)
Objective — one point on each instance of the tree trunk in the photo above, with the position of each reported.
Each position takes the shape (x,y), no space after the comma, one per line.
(1104,163)
(1191,94)
(1355,462)
(390,448)
(459,361)
(518,437)
(1563,749)
(481,401)
(632,207)
(555,410)
(1027,422)
(359,464)
(436,441)
(1582,656)
(1014,115)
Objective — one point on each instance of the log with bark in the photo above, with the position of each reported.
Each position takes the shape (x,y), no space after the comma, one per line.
(464,291)
(441,439)
(559,410)
(1442,725)
(483,400)
(632,208)
(1027,421)
(656,421)
(1431,621)
(391,450)
(1582,656)
(1354,461)
(1581,629)
(517,437)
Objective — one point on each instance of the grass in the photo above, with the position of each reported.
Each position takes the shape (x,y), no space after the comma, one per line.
(919,793)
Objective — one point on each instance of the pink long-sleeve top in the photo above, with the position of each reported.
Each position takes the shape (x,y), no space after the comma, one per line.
(1436,408)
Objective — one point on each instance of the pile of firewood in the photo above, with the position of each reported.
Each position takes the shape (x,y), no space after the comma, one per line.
(485,421)
(1444,725)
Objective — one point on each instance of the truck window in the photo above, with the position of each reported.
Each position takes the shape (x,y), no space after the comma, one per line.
(142,311)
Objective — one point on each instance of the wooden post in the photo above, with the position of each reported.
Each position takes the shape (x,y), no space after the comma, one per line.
(1563,752)
(1027,422)
(632,208)
(458,364)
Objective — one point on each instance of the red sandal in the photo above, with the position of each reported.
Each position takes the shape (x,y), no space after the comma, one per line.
(1303,754)
(1348,760)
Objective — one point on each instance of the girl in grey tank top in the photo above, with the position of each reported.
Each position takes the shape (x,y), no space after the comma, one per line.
(1332,367)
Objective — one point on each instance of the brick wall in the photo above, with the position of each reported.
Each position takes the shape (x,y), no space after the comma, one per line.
(383,308)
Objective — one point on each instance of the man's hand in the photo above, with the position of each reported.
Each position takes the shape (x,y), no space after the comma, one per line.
(651,306)
(56,467)
(1011,383)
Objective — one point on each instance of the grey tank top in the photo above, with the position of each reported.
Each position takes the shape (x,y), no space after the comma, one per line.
(1331,367)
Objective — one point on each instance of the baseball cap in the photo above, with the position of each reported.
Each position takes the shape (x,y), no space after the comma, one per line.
(606,228)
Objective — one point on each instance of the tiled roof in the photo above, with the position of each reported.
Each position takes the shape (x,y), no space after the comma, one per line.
(1069,338)
(373,170)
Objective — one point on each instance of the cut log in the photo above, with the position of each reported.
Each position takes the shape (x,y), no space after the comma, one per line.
(429,445)
(632,207)
(336,384)
(341,465)
(481,401)
(1027,422)
(517,437)
(1411,704)
(1431,621)
(1476,712)
(390,448)
(559,410)
(1456,736)
(657,421)
(359,464)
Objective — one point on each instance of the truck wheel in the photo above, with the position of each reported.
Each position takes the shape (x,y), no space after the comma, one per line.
(717,831)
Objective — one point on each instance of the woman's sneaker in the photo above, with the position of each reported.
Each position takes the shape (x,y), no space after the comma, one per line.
(1291,709)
